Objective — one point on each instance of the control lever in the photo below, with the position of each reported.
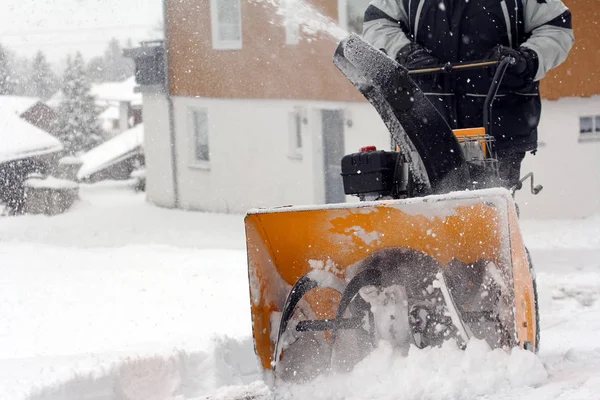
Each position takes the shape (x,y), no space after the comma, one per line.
(534,189)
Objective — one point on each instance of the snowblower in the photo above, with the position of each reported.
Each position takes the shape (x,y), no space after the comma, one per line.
(432,251)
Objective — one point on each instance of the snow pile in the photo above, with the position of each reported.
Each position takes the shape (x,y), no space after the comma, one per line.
(68,311)
(433,373)
(225,361)
(17,104)
(19,139)
(51,182)
(117,149)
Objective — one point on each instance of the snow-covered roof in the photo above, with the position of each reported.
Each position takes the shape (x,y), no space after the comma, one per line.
(107,92)
(117,149)
(55,99)
(117,91)
(111,112)
(19,139)
(17,104)
(51,182)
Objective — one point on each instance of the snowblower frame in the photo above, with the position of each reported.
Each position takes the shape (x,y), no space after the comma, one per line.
(428,255)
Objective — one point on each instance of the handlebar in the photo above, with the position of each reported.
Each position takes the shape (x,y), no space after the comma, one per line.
(493,91)
(449,68)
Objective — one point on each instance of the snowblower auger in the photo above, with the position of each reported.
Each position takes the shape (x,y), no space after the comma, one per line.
(432,252)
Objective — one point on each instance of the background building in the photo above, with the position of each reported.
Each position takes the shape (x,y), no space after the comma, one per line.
(257,115)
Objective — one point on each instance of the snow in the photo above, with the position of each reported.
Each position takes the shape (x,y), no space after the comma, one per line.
(117,91)
(112,151)
(362,234)
(51,182)
(20,139)
(327,266)
(435,373)
(111,112)
(114,279)
(118,292)
(327,279)
(107,93)
(69,160)
(17,104)
(139,173)
(428,203)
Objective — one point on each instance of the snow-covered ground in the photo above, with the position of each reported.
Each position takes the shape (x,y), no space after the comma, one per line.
(121,299)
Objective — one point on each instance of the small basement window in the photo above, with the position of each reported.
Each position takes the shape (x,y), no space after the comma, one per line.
(199,124)
(226,19)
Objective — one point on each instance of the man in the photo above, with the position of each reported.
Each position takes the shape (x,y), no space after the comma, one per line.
(425,33)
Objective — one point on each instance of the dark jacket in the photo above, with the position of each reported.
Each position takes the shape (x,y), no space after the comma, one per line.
(462,31)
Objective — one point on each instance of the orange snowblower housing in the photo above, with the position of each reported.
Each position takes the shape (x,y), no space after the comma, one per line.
(284,244)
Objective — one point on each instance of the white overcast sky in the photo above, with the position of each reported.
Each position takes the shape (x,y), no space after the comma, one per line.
(60,27)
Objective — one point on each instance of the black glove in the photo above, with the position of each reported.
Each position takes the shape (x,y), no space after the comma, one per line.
(415,56)
(526,64)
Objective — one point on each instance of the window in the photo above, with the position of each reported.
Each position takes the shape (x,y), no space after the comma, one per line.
(199,124)
(589,128)
(296,120)
(352,13)
(586,125)
(226,24)
(291,23)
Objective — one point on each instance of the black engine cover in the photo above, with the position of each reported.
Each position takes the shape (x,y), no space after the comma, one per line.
(370,172)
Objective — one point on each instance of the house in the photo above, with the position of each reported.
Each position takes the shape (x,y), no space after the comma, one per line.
(32,110)
(119,105)
(20,139)
(243,109)
(251,106)
(24,149)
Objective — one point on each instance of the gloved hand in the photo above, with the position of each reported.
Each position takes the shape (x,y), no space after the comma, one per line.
(526,64)
(415,56)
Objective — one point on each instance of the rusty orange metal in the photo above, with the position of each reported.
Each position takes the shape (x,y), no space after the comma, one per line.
(283,244)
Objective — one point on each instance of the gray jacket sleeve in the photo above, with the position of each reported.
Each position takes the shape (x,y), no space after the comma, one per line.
(382,26)
(549,24)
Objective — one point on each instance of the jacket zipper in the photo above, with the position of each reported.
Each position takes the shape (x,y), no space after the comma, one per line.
(507,22)
(417,16)
(410,25)
(516,22)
